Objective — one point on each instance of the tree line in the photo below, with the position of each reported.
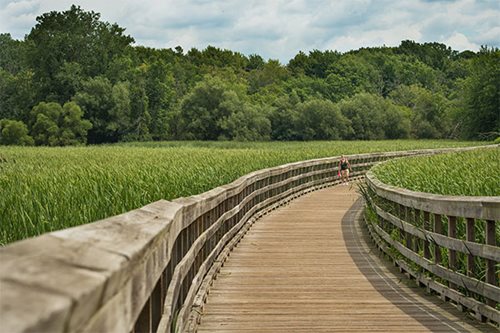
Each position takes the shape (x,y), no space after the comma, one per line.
(76,79)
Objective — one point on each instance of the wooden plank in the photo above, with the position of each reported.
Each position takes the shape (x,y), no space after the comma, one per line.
(45,310)
(184,265)
(307,267)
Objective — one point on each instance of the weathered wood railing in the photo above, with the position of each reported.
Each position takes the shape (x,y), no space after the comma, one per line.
(441,241)
(140,271)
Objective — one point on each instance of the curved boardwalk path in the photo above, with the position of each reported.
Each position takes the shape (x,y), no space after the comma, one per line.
(309,267)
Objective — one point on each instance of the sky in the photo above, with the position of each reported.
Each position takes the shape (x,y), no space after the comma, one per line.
(279,29)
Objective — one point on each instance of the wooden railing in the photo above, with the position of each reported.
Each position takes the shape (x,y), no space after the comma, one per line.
(140,271)
(447,243)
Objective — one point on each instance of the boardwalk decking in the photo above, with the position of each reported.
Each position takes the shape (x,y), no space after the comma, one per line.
(309,267)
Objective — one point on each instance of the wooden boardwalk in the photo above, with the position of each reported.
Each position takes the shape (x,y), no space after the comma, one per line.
(310,267)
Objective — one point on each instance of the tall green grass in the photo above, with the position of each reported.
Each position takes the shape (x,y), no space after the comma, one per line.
(46,189)
(471,173)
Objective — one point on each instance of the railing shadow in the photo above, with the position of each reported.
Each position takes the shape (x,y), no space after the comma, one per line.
(363,251)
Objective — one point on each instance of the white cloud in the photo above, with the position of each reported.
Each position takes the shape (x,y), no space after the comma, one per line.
(459,41)
(280,28)
(21,7)
(489,37)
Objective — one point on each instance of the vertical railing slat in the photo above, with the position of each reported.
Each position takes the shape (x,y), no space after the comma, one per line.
(427,225)
(452,254)
(438,228)
(491,276)
(471,237)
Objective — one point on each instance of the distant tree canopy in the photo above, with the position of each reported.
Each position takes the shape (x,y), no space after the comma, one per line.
(76,79)
(66,46)
(479,110)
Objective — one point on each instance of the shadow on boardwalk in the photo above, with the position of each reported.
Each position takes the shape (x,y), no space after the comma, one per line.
(395,286)
(309,267)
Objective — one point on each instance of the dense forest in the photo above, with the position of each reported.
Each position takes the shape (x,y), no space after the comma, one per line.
(75,79)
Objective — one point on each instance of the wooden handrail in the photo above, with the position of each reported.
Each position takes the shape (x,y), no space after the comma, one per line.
(140,271)
(476,207)
(414,222)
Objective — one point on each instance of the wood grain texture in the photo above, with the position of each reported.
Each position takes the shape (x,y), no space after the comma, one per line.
(309,266)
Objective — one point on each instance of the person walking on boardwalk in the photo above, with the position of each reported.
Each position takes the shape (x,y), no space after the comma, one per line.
(344,168)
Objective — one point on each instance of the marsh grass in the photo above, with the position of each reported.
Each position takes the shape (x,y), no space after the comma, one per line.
(469,173)
(46,189)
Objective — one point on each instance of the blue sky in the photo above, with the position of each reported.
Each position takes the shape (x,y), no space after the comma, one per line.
(279,29)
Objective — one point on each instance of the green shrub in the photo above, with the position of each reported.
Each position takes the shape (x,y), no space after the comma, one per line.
(13,132)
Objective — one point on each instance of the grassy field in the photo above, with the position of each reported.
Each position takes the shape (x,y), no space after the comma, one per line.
(473,173)
(46,189)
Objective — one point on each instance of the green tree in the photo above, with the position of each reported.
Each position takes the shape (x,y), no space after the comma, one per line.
(96,100)
(479,101)
(417,73)
(436,55)
(307,87)
(17,95)
(270,73)
(54,125)
(120,115)
(284,117)
(320,119)
(245,122)
(68,80)
(159,85)
(351,75)
(12,54)
(215,57)
(119,69)
(14,132)
(397,69)
(203,110)
(72,36)
(430,115)
(316,64)
(140,129)
(255,61)
(374,118)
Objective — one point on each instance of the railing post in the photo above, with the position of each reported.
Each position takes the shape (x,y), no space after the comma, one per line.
(438,228)
(409,238)
(491,276)
(205,225)
(402,234)
(471,237)
(416,240)
(452,254)
(419,243)
(427,224)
